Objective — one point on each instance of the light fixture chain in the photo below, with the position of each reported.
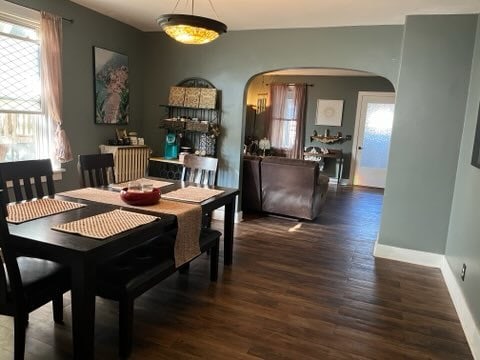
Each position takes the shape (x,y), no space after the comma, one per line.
(193,6)
(175,8)
(213,8)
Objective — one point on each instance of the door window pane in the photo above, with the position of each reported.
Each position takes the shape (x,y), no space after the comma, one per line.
(376,139)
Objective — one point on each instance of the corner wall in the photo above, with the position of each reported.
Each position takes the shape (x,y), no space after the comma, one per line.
(429,115)
(463,241)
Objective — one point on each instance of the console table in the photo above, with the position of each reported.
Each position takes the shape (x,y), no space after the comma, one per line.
(336,155)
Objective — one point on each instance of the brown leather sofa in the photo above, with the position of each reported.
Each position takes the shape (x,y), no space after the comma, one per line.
(282,186)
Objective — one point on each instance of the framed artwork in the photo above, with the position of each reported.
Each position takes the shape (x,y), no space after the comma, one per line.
(476,144)
(329,112)
(111,87)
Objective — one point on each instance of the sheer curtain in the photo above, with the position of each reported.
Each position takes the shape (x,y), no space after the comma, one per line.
(286,121)
(51,56)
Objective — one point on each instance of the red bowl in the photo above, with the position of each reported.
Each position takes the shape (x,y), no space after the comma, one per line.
(140,198)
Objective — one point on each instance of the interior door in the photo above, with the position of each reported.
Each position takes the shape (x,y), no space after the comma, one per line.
(373,132)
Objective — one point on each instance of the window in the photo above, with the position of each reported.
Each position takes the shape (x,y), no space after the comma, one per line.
(25,133)
(285,123)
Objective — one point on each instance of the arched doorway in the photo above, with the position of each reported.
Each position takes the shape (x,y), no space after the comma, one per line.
(323,84)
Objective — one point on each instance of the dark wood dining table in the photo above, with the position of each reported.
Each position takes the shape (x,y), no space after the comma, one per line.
(82,254)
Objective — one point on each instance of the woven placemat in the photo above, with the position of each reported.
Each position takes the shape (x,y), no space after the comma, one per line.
(30,210)
(154,183)
(189,217)
(104,225)
(192,194)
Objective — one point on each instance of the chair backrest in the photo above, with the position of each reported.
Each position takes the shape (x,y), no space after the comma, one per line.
(98,167)
(200,170)
(11,294)
(27,176)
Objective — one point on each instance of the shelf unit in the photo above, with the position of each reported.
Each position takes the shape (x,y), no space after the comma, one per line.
(194,134)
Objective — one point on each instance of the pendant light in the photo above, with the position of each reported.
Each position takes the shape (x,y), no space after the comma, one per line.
(191,29)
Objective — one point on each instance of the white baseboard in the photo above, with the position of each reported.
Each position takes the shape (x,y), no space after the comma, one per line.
(472,333)
(219,214)
(465,316)
(343,182)
(408,255)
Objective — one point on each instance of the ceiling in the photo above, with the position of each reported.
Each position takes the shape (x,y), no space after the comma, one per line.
(278,14)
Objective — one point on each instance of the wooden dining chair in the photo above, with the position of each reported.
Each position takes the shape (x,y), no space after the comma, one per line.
(26,284)
(200,170)
(99,169)
(26,178)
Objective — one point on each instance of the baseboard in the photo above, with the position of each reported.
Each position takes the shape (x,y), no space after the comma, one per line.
(408,255)
(343,182)
(219,214)
(465,316)
(467,320)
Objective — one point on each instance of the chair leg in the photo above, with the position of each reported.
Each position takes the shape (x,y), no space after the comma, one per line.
(125,327)
(214,261)
(57,304)
(19,337)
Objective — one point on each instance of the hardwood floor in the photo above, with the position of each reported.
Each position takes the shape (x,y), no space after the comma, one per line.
(296,290)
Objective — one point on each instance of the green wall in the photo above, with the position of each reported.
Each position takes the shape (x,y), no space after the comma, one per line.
(91,29)
(428,120)
(463,242)
(325,87)
(432,80)
(233,59)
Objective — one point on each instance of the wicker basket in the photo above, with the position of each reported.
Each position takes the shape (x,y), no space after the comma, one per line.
(173,124)
(197,126)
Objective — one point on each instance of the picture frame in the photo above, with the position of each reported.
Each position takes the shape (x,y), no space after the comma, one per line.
(329,112)
(111,88)
(121,133)
(476,144)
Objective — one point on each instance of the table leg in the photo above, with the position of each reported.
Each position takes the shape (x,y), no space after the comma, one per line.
(83,310)
(228,225)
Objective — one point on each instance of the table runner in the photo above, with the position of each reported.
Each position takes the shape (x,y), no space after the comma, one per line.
(189,217)
(192,194)
(107,224)
(154,183)
(34,209)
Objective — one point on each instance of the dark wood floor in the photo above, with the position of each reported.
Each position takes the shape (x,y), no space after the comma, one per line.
(297,290)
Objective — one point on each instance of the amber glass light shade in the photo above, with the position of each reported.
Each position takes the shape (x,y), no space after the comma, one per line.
(190,29)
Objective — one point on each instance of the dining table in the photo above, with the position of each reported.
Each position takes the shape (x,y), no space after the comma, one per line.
(82,254)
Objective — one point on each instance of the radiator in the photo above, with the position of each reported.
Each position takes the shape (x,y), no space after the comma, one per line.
(130,161)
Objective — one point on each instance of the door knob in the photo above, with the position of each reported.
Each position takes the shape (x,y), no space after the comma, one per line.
(360,148)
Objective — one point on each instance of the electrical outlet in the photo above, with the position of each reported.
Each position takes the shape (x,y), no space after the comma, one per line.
(464,270)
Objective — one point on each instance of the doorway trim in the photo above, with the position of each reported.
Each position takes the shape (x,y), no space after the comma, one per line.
(361,94)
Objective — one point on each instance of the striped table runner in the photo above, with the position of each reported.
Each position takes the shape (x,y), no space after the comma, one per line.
(189,217)
(37,208)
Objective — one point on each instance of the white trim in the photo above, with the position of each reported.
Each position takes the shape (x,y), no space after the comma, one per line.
(361,95)
(219,214)
(407,255)
(18,14)
(467,320)
(472,333)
